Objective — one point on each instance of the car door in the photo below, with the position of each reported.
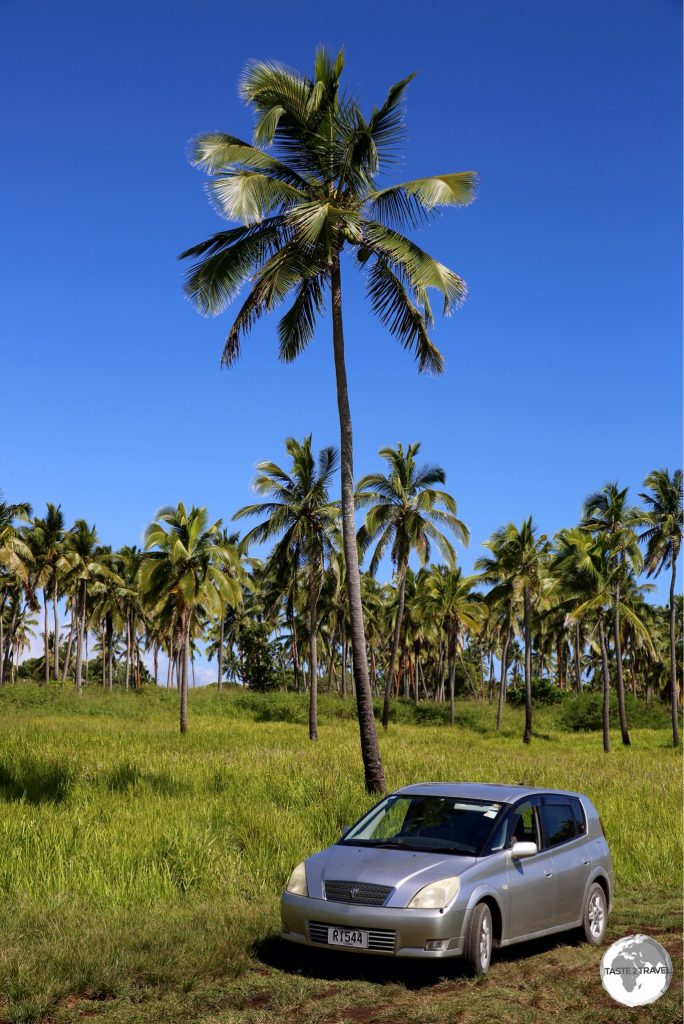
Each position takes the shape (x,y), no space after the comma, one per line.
(531,880)
(564,833)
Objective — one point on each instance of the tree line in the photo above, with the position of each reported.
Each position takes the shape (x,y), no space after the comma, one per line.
(570,610)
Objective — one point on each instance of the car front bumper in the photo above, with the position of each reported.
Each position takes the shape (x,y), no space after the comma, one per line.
(393,931)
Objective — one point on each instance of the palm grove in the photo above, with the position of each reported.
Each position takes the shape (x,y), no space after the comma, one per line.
(567,612)
(306,197)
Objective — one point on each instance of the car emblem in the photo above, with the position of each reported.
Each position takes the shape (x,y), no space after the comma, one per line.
(354,891)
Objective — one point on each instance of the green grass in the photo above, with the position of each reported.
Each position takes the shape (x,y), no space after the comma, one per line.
(140,872)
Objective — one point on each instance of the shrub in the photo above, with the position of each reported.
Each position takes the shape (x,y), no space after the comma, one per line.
(585,713)
(543,692)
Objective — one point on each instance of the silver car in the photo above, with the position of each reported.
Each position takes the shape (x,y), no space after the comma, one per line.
(455,869)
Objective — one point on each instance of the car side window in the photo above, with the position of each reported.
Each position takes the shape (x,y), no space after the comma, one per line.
(523,825)
(500,837)
(558,822)
(580,816)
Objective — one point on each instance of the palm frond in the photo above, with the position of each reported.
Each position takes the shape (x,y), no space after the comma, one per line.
(296,328)
(216,152)
(249,196)
(392,304)
(421,270)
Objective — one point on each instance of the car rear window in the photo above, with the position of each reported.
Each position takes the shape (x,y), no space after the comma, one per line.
(558,822)
(580,816)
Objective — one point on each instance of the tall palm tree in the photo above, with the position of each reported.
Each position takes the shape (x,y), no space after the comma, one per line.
(518,565)
(181,575)
(587,565)
(502,623)
(14,552)
(129,560)
(584,563)
(405,512)
(663,536)
(46,540)
(81,566)
(110,594)
(235,567)
(15,562)
(451,598)
(608,516)
(300,513)
(303,191)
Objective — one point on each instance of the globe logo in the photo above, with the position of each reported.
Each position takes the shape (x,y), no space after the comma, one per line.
(636,970)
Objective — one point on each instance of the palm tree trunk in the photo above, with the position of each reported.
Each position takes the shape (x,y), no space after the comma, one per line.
(10,641)
(128,650)
(559,663)
(184,679)
(619,679)
(219,684)
(79,608)
(2,642)
(331,661)
(295,657)
(389,681)
(370,752)
(70,641)
(170,665)
(103,647)
(47,636)
(439,681)
(578,658)
(314,587)
(606,685)
(55,609)
(453,647)
(674,695)
(343,666)
(502,684)
(527,735)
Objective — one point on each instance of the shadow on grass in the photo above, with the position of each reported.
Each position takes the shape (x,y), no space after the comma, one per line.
(413,974)
(333,965)
(35,781)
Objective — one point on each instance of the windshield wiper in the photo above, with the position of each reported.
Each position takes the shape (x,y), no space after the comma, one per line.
(387,845)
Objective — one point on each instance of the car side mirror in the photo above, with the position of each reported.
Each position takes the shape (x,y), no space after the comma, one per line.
(521,850)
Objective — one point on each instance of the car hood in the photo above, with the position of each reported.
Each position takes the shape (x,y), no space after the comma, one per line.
(406,871)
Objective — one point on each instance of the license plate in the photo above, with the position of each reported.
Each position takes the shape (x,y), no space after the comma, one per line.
(356,937)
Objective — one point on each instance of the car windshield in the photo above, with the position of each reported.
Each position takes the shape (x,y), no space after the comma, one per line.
(428,823)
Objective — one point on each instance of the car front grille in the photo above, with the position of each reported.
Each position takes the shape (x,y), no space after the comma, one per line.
(379,939)
(362,893)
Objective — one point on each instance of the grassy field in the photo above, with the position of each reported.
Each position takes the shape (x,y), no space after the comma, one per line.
(140,872)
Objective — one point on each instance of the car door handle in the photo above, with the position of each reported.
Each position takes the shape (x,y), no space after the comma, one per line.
(549,874)
(585,860)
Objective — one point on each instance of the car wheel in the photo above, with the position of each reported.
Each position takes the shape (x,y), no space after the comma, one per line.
(595,915)
(477,951)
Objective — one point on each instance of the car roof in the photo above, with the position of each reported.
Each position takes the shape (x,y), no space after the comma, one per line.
(500,793)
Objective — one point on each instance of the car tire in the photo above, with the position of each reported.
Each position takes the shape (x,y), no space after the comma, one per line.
(477,951)
(595,917)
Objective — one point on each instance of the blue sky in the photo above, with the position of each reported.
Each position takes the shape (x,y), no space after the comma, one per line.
(563,368)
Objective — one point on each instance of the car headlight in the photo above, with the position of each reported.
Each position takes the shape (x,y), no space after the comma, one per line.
(297,883)
(436,895)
